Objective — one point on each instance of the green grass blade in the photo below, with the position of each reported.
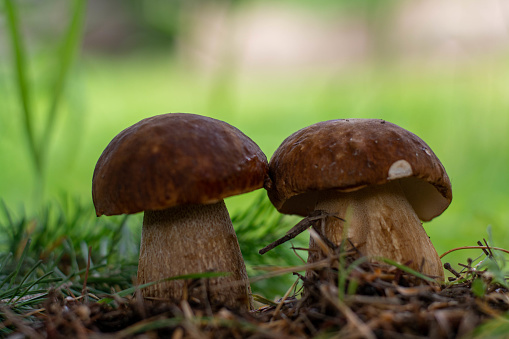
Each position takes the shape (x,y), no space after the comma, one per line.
(24,89)
(406,269)
(34,300)
(20,262)
(6,279)
(37,281)
(25,278)
(344,274)
(117,236)
(68,52)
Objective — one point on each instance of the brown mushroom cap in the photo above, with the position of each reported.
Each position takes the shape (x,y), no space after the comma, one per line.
(350,154)
(175,159)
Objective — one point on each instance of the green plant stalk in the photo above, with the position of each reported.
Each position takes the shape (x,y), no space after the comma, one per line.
(68,52)
(344,273)
(24,90)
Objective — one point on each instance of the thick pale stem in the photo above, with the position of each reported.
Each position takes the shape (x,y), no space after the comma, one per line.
(193,239)
(381,223)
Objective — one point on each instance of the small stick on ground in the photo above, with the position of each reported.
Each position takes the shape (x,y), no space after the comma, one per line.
(484,248)
(489,250)
(299,228)
(448,267)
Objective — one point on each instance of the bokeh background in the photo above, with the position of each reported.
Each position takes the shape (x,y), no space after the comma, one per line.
(437,68)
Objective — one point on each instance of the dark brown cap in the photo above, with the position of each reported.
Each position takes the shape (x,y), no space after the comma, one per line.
(174,159)
(350,154)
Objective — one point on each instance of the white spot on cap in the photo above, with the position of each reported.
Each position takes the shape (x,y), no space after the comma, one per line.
(400,169)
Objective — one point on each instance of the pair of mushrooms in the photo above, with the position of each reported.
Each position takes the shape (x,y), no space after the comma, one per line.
(178,168)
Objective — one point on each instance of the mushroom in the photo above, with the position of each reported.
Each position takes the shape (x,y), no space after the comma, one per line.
(178,168)
(382,178)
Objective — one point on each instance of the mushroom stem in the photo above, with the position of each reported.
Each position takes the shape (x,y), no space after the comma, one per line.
(193,239)
(381,223)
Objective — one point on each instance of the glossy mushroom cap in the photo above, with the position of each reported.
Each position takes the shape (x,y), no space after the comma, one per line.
(349,154)
(175,159)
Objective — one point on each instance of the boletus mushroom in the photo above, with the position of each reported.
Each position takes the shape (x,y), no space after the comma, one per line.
(178,168)
(382,178)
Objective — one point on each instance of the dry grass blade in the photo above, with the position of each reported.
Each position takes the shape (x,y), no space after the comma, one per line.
(281,303)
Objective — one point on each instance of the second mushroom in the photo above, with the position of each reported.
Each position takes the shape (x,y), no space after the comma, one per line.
(383,178)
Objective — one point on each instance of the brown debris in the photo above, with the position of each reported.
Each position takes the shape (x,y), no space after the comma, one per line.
(370,300)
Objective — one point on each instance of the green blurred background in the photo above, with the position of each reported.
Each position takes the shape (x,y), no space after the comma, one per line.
(439,69)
